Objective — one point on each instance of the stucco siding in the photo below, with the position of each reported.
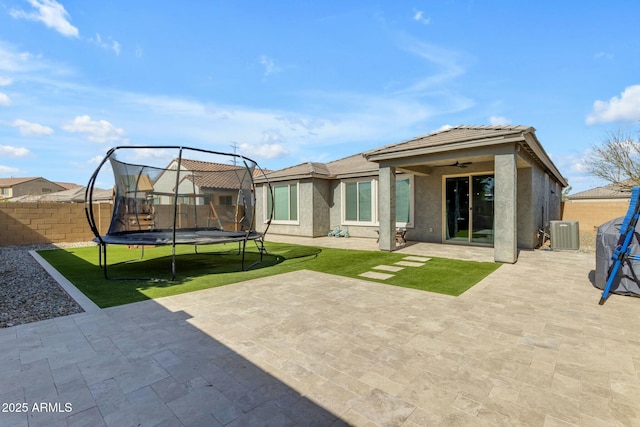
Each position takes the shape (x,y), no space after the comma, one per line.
(321,201)
(527,214)
(427,209)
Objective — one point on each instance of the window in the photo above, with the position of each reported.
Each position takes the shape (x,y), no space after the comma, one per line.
(403,201)
(5,191)
(226,200)
(284,203)
(358,201)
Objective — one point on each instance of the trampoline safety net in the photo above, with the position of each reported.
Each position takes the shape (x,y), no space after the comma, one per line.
(177,195)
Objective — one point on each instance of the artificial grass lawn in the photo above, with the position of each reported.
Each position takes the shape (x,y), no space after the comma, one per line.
(221,265)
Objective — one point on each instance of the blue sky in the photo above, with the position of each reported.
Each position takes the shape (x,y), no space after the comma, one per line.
(290,82)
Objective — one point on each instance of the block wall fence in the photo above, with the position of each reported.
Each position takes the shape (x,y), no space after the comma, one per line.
(35,223)
(592,214)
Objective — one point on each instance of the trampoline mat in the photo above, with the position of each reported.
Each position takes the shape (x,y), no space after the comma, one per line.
(183,237)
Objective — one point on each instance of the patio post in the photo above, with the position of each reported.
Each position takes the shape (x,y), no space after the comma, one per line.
(387,207)
(506,202)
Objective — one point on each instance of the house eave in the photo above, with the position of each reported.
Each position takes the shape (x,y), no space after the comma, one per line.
(533,146)
(458,146)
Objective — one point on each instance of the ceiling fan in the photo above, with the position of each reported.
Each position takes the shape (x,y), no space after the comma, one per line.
(461,165)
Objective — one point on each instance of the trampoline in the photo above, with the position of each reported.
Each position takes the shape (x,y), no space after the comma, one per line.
(174,195)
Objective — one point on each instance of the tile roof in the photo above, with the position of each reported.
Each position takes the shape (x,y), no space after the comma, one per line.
(206,166)
(10,182)
(228,179)
(611,191)
(72,195)
(68,185)
(452,136)
(354,165)
(215,175)
(456,138)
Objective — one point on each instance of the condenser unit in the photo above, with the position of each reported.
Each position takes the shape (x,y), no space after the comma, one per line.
(565,235)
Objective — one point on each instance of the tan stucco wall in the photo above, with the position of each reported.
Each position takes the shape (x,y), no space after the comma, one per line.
(593,213)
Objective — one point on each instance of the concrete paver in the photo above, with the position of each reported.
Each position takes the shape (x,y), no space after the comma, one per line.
(376,275)
(416,258)
(528,345)
(410,263)
(391,268)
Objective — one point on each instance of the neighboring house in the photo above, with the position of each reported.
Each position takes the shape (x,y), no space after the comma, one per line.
(206,181)
(471,185)
(69,185)
(207,192)
(14,187)
(594,207)
(72,195)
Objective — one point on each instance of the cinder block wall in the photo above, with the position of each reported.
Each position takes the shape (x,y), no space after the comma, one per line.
(33,223)
(591,214)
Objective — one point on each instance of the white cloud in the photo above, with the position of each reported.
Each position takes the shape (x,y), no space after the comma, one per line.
(443,128)
(50,13)
(499,121)
(264,151)
(6,170)
(4,99)
(448,64)
(625,108)
(108,44)
(9,151)
(31,129)
(269,65)
(418,16)
(95,130)
(5,81)
(95,160)
(603,55)
(13,61)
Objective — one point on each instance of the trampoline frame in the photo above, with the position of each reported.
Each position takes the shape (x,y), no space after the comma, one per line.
(176,236)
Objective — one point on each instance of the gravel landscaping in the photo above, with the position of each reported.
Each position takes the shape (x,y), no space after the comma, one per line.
(27,292)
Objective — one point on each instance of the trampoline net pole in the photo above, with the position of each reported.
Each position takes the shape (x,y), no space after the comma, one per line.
(175,216)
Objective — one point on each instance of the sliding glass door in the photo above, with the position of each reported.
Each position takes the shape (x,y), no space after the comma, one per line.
(469,209)
(482,208)
(457,205)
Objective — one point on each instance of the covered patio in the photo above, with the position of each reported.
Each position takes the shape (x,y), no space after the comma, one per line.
(477,185)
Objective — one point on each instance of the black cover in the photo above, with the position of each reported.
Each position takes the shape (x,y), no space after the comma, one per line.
(627,281)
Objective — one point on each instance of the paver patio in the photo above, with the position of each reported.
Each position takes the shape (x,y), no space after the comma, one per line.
(529,345)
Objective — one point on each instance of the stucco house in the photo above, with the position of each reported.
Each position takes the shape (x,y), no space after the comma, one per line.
(470,185)
(15,187)
(208,192)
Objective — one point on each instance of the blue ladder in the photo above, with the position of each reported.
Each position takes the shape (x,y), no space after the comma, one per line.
(622,252)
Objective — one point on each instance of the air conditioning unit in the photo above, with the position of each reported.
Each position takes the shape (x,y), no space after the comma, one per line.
(565,235)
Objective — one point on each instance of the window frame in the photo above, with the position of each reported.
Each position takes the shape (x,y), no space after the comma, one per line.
(267,195)
(410,223)
(374,201)
(375,220)
(225,197)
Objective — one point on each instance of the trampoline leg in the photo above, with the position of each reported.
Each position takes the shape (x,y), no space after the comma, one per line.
(244,246)
(173,262)
(103,260)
